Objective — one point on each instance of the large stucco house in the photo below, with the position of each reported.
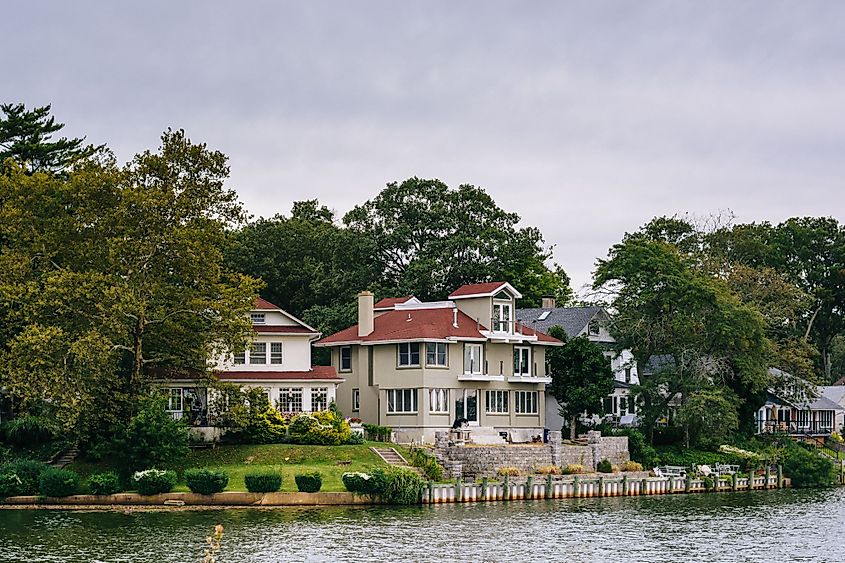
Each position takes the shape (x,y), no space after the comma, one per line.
(418,367)
(592,323)
(277,360)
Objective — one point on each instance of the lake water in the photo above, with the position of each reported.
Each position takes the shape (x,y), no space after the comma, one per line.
(756,526)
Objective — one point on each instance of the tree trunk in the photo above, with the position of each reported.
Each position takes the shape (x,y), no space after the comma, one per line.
(138,360)
(572,427)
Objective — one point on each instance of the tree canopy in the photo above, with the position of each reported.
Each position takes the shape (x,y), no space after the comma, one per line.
(27,137)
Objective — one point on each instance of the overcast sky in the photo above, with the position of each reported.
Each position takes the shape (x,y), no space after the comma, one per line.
(586,118)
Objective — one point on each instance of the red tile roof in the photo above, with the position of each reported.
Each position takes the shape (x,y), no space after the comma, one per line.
(282,329)
(390,302)
(261,303)
(424,324)
(476,289)
(315,373)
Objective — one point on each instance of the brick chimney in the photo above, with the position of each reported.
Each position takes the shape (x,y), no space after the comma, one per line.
(548,302)
(366,315)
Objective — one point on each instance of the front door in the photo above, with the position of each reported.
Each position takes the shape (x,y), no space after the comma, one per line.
(466,405)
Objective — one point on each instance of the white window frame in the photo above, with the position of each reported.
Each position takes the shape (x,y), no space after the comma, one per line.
(520,350)
(438,348)
(276,353)
(289,398)
(256,357)
(319,398)
(340,366)
(258,318)
(502,322)
(239,359)
(473,346)
(410,354)
(175,393)
(356,400)
(526,402)
(402,401)
(438,401)
(496,401)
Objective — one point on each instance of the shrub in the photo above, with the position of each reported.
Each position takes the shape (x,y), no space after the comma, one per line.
(325,428)
(152,437)
(604,466)
(154,481)
(309,482)
(355,439)
(360,483)
(56,482)
(639,448)
(631,466)
(206,481)
(31,429)
(427,462)
(548,470)
(107,483)
(378,433)
(21,477)
(573,469)
(709,483)
(808,469)
(397,485)
(264,482)
(508,471)
(688,457)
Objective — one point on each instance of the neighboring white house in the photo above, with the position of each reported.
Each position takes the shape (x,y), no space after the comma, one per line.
(278,360)
(591,322)
(819,414)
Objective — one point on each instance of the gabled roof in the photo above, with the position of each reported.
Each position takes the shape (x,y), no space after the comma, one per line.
(572,319)
(487,289)
(420,324)
(263,304)
(835,393)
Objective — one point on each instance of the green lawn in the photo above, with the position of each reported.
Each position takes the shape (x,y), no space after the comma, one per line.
(287,459)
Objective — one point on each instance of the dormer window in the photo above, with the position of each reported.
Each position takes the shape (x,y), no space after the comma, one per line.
(257,318)
(502,315)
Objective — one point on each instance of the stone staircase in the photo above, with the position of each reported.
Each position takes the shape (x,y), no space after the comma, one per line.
(392,457)
(64,457)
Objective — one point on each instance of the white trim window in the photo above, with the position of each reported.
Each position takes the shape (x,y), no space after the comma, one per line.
(258,353)
(345,358)
(473,358)
(290,399)
(438,401)
(175,400)
(409,354)
(496,401)
(258,318)
(276,353)
(525,402)
(502,315)
(401,401)
(319,399)
(356,399)
(522,360)
(240,358)
(435,354)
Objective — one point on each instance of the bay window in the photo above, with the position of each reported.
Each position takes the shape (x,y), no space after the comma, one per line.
(401,401)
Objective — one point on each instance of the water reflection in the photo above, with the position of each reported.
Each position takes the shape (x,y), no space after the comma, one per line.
(759,526)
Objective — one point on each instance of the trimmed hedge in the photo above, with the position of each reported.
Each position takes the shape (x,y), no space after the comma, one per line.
(21,477)
(309,482)
(154,481)
(604,466)
(266,482)
(58,483)
(359,483)
(206,481)
(107,483)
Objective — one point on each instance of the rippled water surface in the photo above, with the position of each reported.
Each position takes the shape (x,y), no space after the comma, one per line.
(760,526)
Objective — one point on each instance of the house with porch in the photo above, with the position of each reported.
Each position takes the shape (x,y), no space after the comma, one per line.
(420,367)
(592,323)
(277,360)
(816,413)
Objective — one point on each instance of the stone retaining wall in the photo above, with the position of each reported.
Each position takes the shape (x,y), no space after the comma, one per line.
(472,461)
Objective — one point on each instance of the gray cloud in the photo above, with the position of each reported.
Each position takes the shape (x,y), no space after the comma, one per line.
(586,118)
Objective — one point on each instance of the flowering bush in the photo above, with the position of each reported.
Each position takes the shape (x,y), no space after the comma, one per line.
(360,483)
(154,481)
(325,428)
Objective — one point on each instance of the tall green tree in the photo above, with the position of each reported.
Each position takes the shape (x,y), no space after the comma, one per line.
(429,239)
(581,377)
(27,137)
(114,273)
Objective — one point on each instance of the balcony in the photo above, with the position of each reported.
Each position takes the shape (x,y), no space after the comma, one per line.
(477,373)
(507,331)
